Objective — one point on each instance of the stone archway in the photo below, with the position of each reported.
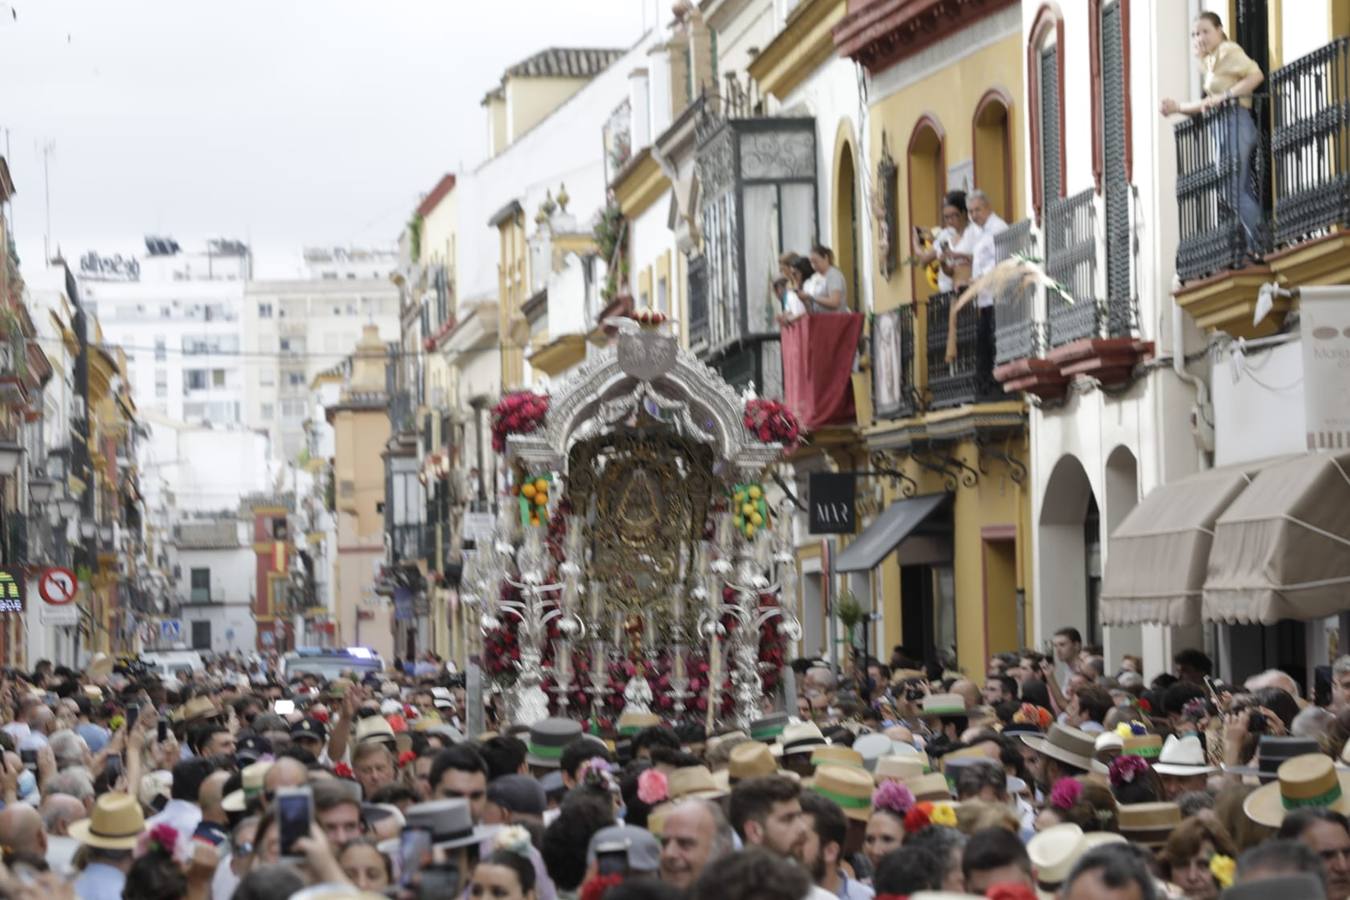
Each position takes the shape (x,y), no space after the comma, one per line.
(1062,551)
(1121,490)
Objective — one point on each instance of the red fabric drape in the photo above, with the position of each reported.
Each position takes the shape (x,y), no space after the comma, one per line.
(817,368)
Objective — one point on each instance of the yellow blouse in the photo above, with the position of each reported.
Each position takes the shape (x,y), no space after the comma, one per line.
(1225,67)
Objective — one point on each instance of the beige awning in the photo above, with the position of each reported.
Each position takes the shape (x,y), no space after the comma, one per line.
(1156,559)
(1282,549)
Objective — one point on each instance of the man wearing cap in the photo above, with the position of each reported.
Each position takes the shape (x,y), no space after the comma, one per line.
(110,834)
(695,833)
(310,734)
(823,849)
(512,799)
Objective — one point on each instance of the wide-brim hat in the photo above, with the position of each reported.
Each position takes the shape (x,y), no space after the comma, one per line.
(1304,782)
(1148,746)
(1183,757)
(693,782)
(115,824)
(199,707)
(449,821)
(837,755)
(851,788)
(770,727)
(872,747)
(800,737)
(1148,823)
(100,666)
(1272,751)
(547,740)
(1054,851)
(930,786)
(900,767)
(1068,745)
(944,706)
(374,728)
(630,723)
(751,760)
(252,779)
(716,740)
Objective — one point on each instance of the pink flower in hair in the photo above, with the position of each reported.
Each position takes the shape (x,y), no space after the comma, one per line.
(1065,793)
(652,787)
(893,797)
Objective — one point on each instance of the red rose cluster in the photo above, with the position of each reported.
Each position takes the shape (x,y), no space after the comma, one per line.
(519,412)
(773,422)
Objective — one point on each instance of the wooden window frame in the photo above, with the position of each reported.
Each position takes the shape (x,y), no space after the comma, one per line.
(1047,17)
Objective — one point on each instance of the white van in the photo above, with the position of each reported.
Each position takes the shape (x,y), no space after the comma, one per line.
(330,662)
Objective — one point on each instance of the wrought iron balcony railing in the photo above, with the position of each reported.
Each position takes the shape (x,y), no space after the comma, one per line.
(1310,143)
(405,543)
(1221,171)
(1017,332)
(1071,260)
(969,377)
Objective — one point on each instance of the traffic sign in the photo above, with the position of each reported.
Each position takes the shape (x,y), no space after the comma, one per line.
(58,586)
(171,629)
(62,616)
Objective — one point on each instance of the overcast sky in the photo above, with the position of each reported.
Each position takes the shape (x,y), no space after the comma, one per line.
(280,122)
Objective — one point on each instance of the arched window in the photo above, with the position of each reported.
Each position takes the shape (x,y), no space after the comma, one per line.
(991,140)
(846,226)
(927,181)
(1045,88)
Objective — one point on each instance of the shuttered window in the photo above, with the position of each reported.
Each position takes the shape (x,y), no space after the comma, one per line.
(1052,179)
(1115,176)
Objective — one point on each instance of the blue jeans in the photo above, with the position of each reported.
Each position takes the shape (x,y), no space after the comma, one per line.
(1237,139)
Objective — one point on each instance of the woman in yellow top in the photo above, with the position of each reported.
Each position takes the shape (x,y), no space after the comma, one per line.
(1229,74)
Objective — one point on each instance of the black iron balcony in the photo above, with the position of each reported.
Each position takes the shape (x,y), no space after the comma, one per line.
(1310,143)
(1071,260)
(969,376)
(698,301)
(405,543)
(895,384)
(1017,333)
(1215,183)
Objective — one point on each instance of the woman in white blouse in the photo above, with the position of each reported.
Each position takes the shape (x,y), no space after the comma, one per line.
(954,246)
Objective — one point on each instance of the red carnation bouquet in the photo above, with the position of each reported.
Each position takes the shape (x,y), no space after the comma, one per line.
(519,412)
(773,423)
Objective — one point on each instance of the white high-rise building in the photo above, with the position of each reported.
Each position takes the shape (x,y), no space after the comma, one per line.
(177,316)
(295,329)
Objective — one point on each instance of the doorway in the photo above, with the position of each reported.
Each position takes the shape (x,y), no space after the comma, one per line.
(928,613)
(1002,619)
(201,635)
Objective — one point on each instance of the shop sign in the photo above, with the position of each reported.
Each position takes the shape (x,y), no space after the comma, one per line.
(11,590)
(832,503)
(1325,321)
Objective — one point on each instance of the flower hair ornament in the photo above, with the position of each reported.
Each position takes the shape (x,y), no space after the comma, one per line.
(514,839)
(597,772)
(162,837)
(1065,793)
(652,787)
(1125,769)
(1131,729)
(1223,869)
(893,797)
(596,888)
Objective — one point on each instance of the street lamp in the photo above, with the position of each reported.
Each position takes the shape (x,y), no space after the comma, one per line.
(105,534)
(41,490)
(88,529)
(69,507)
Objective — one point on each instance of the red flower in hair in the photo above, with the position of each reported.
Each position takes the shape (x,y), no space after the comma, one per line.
(595,888)
(1010,891)
(342,770)
(917,819)
(320,715)
(406,757)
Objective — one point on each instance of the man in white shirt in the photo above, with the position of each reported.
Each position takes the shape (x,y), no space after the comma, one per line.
(991,225)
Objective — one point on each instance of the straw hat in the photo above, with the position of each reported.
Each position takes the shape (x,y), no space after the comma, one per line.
(115,824)
(929,786)
(630,723)
(252,778)
(837,756)
(1068,745)
(850,788)
(1149,824)
(100,666)
(1183,757)
(799,737)
(1148,746)
(1304,782)
(900,767)
(693,781)
(751,760)
(1056,850)
(199,707)
(944,706)
(718,739)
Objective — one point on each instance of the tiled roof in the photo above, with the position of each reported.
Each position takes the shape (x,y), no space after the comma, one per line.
(565,62)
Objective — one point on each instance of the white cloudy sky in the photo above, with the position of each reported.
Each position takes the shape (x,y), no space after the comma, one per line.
(281,122)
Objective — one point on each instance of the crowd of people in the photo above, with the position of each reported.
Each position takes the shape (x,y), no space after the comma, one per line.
(1054,776)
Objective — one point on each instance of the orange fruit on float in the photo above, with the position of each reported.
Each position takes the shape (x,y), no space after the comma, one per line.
(529,491)
(541,484)
(541,499)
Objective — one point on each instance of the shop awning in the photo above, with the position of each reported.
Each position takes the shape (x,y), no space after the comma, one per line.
(1156,564)
(1282,549)
(897,522)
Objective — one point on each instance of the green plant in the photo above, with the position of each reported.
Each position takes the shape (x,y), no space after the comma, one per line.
(850,612)
(611,239)
(415,236)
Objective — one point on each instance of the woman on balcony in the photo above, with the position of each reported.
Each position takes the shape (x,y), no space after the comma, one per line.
(828,287)
(1229,73)
(953,246)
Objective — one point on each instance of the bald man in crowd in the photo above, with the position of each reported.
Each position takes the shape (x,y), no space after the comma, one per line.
(21,830)
(215,824)
(58,811)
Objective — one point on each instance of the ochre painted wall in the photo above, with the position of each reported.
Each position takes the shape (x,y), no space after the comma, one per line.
(950,97)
